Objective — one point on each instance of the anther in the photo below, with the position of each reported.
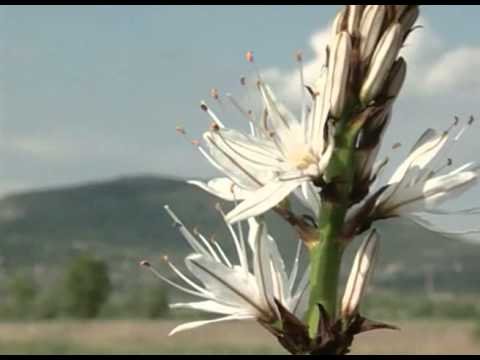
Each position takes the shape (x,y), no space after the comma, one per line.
(145,263)
(249,56)
(180,130)
(203,106)
(214,94)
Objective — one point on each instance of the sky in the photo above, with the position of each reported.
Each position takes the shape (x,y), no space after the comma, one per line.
(91,93)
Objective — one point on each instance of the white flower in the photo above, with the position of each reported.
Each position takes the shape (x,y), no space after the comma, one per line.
(422,182)
(282,153)
(238,290)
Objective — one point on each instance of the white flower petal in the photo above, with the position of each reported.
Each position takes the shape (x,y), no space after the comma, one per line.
(319,115)
(236,167)
(261,266)
(299,301)
(309,197)
(430,194)
(461,235)
(223,188)
(263,200)
(196,324)
(231,286)
(428,146)
(279,118)
(258,153)
(207,306)
(279,273)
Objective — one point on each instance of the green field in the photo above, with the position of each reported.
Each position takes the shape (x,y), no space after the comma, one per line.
(150,337)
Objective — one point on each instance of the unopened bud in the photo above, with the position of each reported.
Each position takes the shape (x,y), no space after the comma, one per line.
(338,25)
(338,72)
(399,11)
(354,18)
(361,271)
(370,29)
(382,61)
(409,18)
(243,81)
(397,78)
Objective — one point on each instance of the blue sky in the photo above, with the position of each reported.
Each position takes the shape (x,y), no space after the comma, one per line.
(93,92)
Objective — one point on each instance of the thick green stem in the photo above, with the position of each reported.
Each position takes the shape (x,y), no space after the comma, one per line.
(325,261)
(326,255)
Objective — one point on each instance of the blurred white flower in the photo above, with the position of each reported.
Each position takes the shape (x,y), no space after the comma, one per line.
(238,290)
(425,180)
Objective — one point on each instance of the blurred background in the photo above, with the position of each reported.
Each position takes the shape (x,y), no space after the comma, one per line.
(89,100)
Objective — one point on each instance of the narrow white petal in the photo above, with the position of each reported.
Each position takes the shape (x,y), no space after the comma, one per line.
(309,197)
(263,200)
(321,109)
(236,167)
(462,235)
(293,274)
(223,188)
(196,324)
(279,117)
(260,153)
(430,194)
(426,149)
(207,306)
(231,286)
(261,266)
(299,300)
(279,273)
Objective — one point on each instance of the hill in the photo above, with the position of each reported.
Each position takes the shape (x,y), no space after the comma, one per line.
(124,221)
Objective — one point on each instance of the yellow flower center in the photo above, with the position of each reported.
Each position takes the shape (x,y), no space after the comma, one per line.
(301,157)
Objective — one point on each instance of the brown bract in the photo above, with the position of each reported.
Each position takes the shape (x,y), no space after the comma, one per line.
(334,337)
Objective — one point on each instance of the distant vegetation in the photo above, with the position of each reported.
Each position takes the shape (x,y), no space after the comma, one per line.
(82,291)
(44,233)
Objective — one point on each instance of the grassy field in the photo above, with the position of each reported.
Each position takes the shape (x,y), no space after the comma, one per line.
(150,337)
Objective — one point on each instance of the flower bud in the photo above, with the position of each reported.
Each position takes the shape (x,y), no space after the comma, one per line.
(354,18)
(382,61)
(370,28)
(409,18)
(399,11)
(338,71)
(337,26)
(397,78)
(361,272)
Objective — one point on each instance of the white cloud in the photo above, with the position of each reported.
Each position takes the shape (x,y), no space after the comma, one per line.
(455,72)
(434,69)
(288,84)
